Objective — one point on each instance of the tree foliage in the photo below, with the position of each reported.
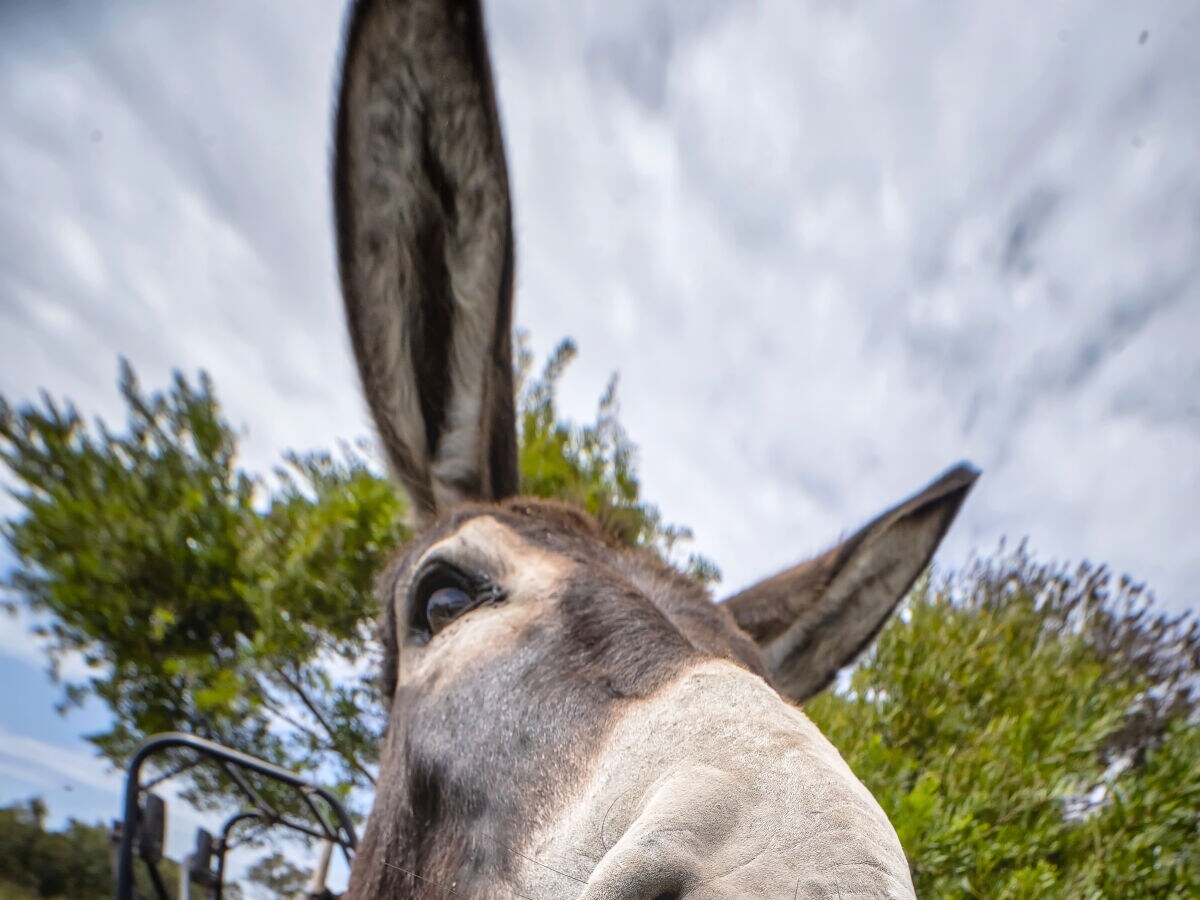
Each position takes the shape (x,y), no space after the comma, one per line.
(275,874)
(1032,732)
(204,598)
(236,606)
(591,465)
(75,862)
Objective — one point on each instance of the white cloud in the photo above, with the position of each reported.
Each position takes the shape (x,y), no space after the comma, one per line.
(831,248)
(873,241)
(64,765)
(19,641)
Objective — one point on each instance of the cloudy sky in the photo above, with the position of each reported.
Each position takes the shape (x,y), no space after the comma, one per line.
(831,248)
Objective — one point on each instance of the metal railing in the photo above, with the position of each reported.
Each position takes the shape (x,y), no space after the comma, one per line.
(142,827)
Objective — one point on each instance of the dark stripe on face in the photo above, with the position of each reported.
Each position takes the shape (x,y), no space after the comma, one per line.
(474,761)
(489,746)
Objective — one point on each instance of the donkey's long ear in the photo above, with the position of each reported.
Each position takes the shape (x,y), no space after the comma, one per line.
(812,620)
(424,232)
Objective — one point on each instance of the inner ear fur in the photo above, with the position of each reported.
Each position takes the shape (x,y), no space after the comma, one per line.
(815,618)
(424,235)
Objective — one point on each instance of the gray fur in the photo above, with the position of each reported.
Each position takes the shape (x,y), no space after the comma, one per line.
(425,247)
(595,709)
(816,618)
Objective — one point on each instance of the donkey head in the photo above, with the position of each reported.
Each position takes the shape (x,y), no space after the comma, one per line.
(568,717)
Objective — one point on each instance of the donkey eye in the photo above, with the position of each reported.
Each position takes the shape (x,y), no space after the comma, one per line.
(443,592)
(445,605)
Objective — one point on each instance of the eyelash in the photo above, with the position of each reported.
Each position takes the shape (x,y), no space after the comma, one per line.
(437,575)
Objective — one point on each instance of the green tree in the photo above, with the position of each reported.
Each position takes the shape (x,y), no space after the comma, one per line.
(75,862)
(1032,732)
(275,874)
(592,465)
(236,606)
(205,598)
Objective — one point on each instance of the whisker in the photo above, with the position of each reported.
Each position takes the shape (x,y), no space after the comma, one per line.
(438,885)
(604,821)
(537,862)
(444,888)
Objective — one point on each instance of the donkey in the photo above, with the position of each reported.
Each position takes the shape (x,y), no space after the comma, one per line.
(569,718)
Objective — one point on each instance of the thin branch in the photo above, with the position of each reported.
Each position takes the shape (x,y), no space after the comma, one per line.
(299,691)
